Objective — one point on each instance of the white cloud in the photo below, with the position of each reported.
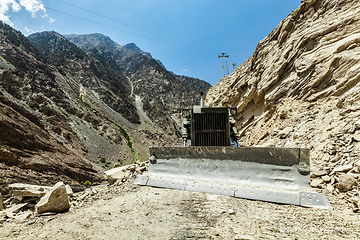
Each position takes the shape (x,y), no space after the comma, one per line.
(32,6)
(27,30)
(52,20)
(185,70)
(5,6)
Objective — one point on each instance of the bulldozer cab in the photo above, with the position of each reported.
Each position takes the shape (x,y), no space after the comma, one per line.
(209,126)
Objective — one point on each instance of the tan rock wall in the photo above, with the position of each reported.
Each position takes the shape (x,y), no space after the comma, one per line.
(314,53)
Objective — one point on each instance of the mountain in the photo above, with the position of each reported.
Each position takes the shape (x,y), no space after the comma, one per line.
(68,113)
(159,94)
(300,88)
(37,145)
(194,83)
(109,84)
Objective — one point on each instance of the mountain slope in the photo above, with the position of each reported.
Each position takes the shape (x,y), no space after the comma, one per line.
(159,94)
(194,83)
(35,137)
(66,114)
(301,89)
(109,84)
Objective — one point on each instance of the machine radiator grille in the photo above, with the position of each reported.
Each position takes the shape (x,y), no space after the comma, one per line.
(210,129)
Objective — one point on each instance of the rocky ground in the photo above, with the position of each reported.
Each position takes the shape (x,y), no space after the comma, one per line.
(124,210)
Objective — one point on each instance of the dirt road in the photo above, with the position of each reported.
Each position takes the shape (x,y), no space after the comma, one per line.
(132,212)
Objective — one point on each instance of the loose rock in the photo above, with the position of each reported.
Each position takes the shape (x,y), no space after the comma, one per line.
(346,183)
(318,173)
(69,190)
(116,174)
(24,216)
(56,200)
(343,168)
(27,190)
(316,182)
(15,208)
(231,211)
(326,178)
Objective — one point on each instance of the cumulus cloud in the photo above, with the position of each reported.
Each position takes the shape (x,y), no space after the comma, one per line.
(5,6)
(8,6)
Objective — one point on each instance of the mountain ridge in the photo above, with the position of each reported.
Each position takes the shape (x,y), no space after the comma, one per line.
(67,114)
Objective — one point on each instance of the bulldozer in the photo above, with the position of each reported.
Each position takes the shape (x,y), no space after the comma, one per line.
(211,160)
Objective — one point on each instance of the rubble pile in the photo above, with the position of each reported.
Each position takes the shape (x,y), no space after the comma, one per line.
(330,129)
(30,201)
(339,174)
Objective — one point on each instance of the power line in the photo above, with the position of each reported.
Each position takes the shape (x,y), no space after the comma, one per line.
(153,22)
(126,24)
(101,24)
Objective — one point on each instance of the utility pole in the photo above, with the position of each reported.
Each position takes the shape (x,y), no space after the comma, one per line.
(222,56)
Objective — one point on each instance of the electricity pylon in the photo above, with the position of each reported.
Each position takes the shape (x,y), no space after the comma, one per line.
(226,67)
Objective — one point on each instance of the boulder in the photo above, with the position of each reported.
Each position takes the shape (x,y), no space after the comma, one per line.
(346,182)
(56,200)
(116,174)
(27,190)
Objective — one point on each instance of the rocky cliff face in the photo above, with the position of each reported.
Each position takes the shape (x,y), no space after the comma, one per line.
(301,87)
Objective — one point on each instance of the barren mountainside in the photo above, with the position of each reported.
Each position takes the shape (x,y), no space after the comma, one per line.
(69,113)
(159,93)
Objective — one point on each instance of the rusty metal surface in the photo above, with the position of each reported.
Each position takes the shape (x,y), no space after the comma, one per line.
(275,156)
(210,129)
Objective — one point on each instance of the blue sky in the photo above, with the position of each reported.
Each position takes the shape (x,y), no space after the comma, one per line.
(186,35)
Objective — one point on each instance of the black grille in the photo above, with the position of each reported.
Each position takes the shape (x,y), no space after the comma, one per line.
(210,129)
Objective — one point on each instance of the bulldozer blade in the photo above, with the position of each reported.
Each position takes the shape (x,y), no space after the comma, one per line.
(279,175)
